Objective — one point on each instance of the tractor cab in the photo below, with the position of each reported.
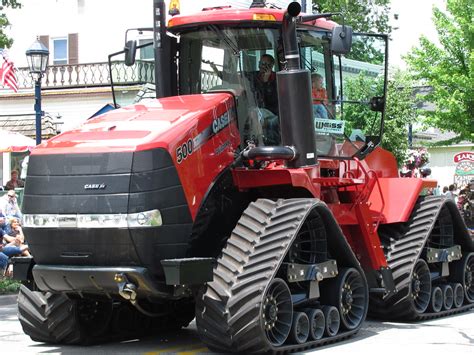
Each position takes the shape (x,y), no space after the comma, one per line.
(229,50)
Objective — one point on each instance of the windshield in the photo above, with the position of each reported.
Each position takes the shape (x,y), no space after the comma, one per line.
(240,60)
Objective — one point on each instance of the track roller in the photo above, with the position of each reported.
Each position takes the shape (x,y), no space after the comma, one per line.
(463,272)
(277,312)
(421,286)
(458,295)
(448,296)
(317,323)
(333,321)
(348,294)
(300,328)
(436,302)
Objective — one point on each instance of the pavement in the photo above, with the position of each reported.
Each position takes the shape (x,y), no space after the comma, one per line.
(449,335)
(8,299)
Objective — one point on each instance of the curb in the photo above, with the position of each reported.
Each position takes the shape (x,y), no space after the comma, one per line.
(7,300)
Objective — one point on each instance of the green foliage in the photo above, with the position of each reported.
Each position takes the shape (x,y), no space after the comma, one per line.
(5,41)
(400,110)
(367,16)
(362,15)
(9,286)
(448,69)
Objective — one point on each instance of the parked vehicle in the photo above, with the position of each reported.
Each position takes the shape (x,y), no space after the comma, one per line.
(178,207)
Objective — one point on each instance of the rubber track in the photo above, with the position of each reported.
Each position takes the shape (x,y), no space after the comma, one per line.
(227,314)
(47,317)
(405,247)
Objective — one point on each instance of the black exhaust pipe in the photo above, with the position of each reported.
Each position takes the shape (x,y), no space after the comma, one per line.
(294,96)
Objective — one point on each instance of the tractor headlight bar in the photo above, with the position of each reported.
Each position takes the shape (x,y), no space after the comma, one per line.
(120,220)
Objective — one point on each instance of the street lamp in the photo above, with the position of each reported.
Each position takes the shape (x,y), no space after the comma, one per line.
(37,56)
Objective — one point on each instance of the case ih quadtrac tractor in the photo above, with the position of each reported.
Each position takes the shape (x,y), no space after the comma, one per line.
(277,230)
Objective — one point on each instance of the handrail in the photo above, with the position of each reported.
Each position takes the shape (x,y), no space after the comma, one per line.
(377,182)
(89,75)
(371,180)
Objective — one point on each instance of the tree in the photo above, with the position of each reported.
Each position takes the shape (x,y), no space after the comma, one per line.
(5,41)
(448,69)
(362,15)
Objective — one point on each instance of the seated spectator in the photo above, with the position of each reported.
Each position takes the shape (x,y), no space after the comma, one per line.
(9,205)
(3,263)
(320,97)
(14,242)
(14,182)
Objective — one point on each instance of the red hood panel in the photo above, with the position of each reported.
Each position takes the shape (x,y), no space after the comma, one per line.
(147,125)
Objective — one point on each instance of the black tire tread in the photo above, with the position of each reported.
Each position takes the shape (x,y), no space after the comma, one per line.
(405,245)
(227,313)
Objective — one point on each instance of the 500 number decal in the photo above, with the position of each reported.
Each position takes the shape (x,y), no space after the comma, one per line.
(184,151)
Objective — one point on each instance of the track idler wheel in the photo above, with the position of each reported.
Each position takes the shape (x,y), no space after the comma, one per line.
(333,321)
(458,295)
(317,323)
(420,287)
(448,296)
(277,312)
(348,293)
(300,328)
(463,272)
(436,302)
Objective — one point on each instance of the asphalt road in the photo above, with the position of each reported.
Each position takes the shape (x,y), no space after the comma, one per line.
(451,335)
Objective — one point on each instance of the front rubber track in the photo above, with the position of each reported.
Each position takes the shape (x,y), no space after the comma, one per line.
(404,244)
(48,317)
(228,312)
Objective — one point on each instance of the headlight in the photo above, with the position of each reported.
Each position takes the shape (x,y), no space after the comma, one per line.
(145,219)
(121,220)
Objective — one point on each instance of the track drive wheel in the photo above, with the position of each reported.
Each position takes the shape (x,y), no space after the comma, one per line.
(277,312)
(420,286)
(54,318)
(348,293)
(463,272)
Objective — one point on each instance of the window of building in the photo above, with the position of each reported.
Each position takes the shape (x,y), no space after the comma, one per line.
(60,51)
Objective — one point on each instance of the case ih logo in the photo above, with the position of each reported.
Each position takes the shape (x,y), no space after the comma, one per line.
(464,156)
(94,186)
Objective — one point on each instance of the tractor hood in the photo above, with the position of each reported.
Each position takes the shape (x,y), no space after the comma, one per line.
(155,123)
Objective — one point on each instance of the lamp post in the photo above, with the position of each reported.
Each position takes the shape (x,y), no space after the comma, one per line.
(37,56)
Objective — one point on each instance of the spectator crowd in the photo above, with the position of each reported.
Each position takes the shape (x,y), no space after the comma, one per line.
(12,238)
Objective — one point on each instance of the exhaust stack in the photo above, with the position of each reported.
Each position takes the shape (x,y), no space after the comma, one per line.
(294,96)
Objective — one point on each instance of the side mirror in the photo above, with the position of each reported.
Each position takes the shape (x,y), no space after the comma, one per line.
(341,40)
(377,103)
(130,52)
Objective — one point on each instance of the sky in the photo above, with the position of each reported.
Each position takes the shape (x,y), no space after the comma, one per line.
(414,20)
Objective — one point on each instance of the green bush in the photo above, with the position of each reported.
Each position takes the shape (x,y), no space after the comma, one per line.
(9,286)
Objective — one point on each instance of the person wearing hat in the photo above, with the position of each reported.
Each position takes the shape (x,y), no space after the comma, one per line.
(9,205)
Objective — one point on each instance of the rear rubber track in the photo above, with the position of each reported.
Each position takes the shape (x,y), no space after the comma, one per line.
(228,312)
(405,247)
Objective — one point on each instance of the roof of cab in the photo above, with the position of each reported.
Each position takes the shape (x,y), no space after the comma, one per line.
(227,15)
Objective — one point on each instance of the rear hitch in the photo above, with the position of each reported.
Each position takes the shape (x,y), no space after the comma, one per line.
(128,291)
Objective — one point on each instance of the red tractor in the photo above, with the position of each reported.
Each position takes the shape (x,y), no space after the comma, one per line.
(270,215)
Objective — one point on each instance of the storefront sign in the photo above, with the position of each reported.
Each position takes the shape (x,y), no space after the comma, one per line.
(464,172)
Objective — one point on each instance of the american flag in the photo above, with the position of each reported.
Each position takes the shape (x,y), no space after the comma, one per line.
(7,72)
